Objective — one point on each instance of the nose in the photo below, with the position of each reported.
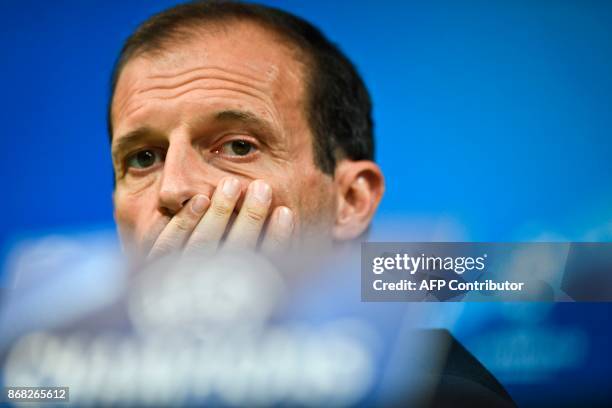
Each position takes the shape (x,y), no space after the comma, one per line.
(178,182)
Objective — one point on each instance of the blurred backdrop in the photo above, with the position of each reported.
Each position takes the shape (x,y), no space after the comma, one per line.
(492,123)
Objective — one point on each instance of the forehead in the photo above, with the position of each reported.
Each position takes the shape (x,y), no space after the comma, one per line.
(243,53)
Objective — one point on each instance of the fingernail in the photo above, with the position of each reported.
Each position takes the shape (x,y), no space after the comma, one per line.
(261,191)
(285,217)
(231,187)
(199,203)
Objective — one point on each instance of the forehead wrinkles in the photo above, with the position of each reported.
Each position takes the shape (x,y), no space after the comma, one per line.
(210,78)
(253,60)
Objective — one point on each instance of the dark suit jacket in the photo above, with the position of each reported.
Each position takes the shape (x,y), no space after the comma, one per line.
(462,381)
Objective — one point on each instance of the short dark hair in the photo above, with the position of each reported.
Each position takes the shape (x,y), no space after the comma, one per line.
(338,106)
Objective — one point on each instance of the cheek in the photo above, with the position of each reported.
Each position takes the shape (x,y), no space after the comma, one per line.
(312,197)
(318,198)
(134,213)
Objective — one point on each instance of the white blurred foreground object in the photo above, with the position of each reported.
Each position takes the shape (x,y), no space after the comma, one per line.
(179,332)
(227,330)
(56,280)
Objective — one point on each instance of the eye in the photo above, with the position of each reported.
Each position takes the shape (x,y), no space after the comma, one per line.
(237,148)
(144,158)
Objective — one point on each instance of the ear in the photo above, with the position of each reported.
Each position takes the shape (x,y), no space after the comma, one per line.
(360,186)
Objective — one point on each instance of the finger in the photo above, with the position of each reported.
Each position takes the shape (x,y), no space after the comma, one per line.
(207,234)
(176,233)
(252,216)
(279,231)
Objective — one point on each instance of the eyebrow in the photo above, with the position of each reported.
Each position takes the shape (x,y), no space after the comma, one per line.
(237,115)
(266,131)
(245,118)
(130,139)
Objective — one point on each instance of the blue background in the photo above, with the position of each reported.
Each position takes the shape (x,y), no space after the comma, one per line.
(492,119)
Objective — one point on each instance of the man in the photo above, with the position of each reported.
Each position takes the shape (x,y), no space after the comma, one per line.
(225,110)
(239,125)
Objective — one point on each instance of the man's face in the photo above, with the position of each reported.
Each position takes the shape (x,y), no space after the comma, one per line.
(228,102)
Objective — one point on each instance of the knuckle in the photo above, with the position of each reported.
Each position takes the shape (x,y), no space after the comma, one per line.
(162,247)
(255,215)
(183,224)
(221,210)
